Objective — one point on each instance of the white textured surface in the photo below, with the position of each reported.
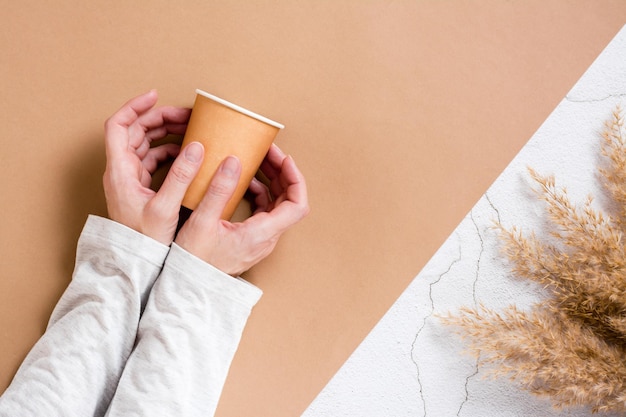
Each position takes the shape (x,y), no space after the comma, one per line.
(411,364)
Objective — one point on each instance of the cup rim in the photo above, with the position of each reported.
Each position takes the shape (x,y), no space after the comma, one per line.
(240,109)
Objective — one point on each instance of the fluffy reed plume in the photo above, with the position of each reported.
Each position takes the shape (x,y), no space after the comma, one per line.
(570,347)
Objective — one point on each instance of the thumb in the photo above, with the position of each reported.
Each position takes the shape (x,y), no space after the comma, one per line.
(180,175)
(221,188)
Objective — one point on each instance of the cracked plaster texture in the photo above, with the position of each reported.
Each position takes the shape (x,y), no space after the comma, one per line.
(412,365)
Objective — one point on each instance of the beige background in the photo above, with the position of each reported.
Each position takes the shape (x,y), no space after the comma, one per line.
(400,114)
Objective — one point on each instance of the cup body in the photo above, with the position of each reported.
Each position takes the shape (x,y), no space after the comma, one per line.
(226,129)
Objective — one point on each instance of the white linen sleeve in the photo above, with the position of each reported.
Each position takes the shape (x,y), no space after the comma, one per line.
(74,368)
(186,340)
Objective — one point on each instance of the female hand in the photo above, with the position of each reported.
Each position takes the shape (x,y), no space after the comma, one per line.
(131,162)
(236,247)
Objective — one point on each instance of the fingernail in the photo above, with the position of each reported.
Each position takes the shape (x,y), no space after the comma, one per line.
(194,152)
(230,166)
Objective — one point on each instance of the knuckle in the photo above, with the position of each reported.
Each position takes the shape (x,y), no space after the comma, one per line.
(182,173)
(158,211)
(221,188)
(110,180)
(303,210)
(306,210)
(157,214)
(108,123)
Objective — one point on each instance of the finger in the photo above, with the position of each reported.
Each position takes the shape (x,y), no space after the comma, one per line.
(293,180)
(272,163)
(262,199)
(116,127)
(144,146)
(276,155)
(288,211)
(271,167)
(158,155)
(155,119)
(278,186)
(130,112)
(276,222)
(143,149)
(175,115)
(220,189)
(162,116)
(168,129)
(180,175)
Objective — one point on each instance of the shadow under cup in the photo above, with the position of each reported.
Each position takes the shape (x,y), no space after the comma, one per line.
(225,129)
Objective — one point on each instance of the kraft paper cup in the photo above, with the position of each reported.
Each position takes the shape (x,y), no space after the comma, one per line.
(226,129)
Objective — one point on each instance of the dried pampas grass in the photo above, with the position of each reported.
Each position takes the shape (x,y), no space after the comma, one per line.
(571,347)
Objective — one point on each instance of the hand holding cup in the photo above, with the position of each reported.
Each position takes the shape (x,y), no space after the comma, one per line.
(236,247)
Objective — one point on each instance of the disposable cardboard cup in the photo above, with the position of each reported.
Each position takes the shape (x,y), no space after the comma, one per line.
(226,129)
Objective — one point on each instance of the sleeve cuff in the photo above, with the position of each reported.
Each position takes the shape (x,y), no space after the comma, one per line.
(188,266)
(100,230)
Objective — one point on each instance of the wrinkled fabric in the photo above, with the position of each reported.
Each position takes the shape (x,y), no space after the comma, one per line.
(142,329)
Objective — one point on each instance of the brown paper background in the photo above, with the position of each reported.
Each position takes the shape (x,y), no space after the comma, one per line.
(400,114)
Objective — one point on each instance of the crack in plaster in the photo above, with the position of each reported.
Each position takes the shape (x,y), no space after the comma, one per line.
(474,297)
(467,381)
(480,257)
(429,315)
(474,284)
(493,207)
(594,100)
